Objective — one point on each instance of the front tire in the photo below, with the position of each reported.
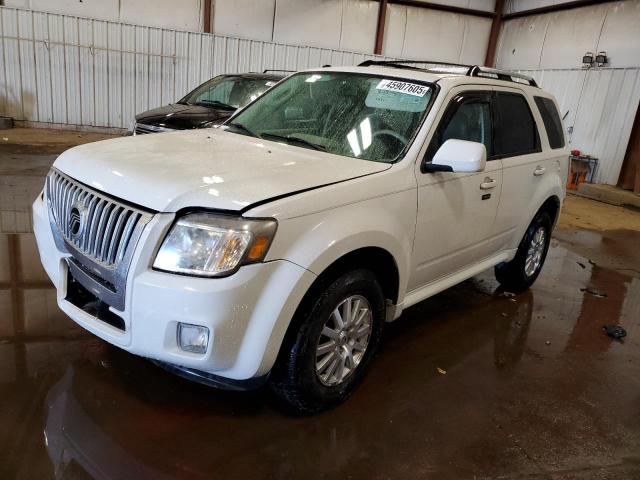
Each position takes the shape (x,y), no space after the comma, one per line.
(520,273)
(337,335)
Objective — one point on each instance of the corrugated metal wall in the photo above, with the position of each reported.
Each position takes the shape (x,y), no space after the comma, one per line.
(601,105)
(76,71)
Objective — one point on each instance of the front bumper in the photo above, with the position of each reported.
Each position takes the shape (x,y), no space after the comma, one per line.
(247,313)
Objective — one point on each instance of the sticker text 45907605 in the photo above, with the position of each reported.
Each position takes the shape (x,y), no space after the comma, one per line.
(403,87)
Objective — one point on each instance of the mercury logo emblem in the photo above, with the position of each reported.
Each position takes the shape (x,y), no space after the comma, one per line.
(77,219)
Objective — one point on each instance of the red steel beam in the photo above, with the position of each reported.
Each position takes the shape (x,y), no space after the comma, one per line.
(489,58)
(207,16)
(382,16)
(444,8)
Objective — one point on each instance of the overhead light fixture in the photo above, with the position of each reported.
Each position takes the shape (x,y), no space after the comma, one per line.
(587,60)
(601,59)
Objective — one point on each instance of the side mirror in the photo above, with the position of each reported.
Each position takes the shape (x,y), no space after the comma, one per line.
(458,156)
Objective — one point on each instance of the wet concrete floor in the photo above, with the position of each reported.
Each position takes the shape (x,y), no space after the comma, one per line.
(471,383)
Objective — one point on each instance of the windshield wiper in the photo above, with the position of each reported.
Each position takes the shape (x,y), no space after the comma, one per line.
(242,129)
(216,103)
(182,102)
(291,139)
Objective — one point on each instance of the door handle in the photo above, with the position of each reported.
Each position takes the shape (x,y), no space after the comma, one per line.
(488,184)
(539,170)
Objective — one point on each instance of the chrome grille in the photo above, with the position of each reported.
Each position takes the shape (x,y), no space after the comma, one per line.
(99,227)
(141,128)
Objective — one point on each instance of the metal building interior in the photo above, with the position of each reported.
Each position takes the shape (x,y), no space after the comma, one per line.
(473,382)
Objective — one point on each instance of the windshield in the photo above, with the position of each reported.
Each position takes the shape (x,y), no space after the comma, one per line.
(228,91)
(349,114)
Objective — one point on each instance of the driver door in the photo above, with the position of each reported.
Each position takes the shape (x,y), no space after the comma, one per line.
(457,211)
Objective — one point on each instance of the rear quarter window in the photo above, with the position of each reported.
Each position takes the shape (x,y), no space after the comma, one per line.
(551,120)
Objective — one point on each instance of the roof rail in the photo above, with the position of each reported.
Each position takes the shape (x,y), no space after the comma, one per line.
(277,70)
(404,63)
(471,70)
(477,71)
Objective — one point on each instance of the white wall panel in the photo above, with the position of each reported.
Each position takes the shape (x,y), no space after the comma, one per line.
(26,58)
(422,33)
(17,3)
(182,15)
(521,42)
(58,69)
(570,35)
(310,22)
(394,30)
(73,68)
(77,71)
(559,39)
(12,78)
(104,9)
(620,36)
(605,117)
(359,22)
(475,40)
(244,18)
(42,64)
(433,34)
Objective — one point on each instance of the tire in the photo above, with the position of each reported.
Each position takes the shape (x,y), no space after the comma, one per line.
(517,275)
(295,379)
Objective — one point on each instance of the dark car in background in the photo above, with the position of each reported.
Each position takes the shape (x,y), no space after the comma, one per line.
(210,104)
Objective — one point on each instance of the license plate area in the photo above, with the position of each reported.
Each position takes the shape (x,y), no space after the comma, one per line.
(88,302)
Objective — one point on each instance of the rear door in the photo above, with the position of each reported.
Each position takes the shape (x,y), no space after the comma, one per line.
(525,165)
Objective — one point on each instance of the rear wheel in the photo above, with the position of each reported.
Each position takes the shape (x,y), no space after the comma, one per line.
(520,273)
(337,335)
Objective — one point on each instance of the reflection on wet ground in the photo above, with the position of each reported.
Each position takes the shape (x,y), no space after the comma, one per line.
(528,386)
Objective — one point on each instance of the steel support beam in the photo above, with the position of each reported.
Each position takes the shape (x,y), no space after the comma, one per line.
(489,59)
(207,16)
(444,8)
(382,16)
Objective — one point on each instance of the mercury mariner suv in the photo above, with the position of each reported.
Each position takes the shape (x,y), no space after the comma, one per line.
(273,249)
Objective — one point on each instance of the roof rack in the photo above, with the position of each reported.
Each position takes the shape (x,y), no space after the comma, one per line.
(470,70)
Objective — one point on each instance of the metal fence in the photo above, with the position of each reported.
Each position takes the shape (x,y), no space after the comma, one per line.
(600,106)
(76,71)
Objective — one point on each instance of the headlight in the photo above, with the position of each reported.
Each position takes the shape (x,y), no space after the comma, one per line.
(210,245)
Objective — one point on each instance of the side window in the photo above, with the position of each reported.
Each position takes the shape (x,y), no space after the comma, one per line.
(468,117)
(551,120)
(516,132)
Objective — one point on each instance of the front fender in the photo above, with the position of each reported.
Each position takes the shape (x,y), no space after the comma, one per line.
(316,241)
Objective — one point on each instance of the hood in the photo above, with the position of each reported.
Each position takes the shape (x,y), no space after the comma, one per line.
(208,168)
(183,117)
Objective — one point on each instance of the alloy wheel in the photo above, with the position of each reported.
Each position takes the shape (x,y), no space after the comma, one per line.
(344,340)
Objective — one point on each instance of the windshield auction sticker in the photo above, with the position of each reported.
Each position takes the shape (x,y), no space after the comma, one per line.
(403,87)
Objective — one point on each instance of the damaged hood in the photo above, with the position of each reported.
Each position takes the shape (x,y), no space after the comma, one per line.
(207,168)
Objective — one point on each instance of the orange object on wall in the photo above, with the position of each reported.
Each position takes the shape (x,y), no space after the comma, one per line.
(582,170)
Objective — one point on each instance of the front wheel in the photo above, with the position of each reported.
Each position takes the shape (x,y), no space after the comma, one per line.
(337,335)
(520,273)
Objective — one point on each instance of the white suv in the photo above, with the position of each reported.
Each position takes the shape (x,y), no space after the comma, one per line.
(274,249)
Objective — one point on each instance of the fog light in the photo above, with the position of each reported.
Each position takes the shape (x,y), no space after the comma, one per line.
(193,338)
